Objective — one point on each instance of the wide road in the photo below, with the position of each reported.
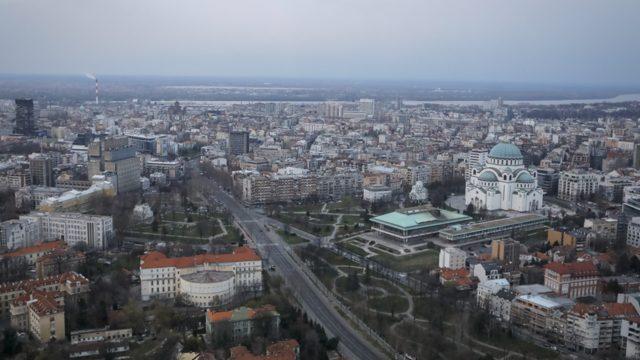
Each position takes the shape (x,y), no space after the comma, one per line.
(314,302)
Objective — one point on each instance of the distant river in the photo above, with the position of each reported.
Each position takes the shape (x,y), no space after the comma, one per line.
(617,99)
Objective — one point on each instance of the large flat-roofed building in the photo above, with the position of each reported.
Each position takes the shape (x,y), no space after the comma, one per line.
(540,314)
(415,224)
(494,229)
(96,231)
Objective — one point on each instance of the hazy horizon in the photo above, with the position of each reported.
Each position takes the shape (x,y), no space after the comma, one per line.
(571,42)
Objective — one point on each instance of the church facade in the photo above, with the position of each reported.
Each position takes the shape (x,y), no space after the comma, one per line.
(503,182)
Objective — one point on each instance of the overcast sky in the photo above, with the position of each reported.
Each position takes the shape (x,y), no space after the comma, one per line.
(554,41)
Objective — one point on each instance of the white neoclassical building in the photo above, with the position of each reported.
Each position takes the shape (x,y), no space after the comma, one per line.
(503,182)
(202,280)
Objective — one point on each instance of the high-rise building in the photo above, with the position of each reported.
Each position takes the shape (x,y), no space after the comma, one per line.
(367,106)
(548,180)
(41,170)
(636,156)
(506,250)
(25,120)
(117,156)
(475,158)
(238,142)
(333,110)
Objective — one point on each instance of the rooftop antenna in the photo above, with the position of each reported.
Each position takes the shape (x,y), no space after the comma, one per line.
(93,77)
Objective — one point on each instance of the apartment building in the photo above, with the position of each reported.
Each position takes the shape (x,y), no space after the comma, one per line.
(452,258)
(633,232)
(15,234)
(273,188)
(575,185)
(596,327)
(45,317)
(541,315)
(70,284)
(339,185)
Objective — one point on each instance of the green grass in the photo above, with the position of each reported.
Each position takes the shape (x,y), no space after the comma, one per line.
(334,259)
(390,304)
(385,284)
(351,296)
(320,227)
(407,263)
(290,238)
(351,247)
(341,206)
(525,347)
(351,219)
(326,275)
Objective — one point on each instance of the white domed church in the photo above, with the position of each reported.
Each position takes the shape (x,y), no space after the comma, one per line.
(503,183)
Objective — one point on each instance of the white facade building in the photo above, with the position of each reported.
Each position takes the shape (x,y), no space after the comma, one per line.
(74,228)
(452,258)
(633,232)
(576,184)
(503,183)
(15,234)
(376,193)
(202,280)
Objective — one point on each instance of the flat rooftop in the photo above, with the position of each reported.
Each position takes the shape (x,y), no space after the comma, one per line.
(419,217)
(474,227)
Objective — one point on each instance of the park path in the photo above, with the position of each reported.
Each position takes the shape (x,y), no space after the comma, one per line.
(223,228)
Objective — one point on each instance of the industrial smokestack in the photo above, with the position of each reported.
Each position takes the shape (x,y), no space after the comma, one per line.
(93,77)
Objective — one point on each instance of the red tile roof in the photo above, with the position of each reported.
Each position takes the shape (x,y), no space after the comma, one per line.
(157,259)
(215,316)
(45,304)
(605,310)
(33,284)
(40,247)
(578,269)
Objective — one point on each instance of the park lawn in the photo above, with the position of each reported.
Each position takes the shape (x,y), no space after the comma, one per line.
(408,263)
(353,247)
(351,219)
(181,216)
(385,284)
(505,341)
(321,227)
(326,275)
(333,258)
(291,239)
(312,208)
(351,296)
(390,304)
(347,207)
